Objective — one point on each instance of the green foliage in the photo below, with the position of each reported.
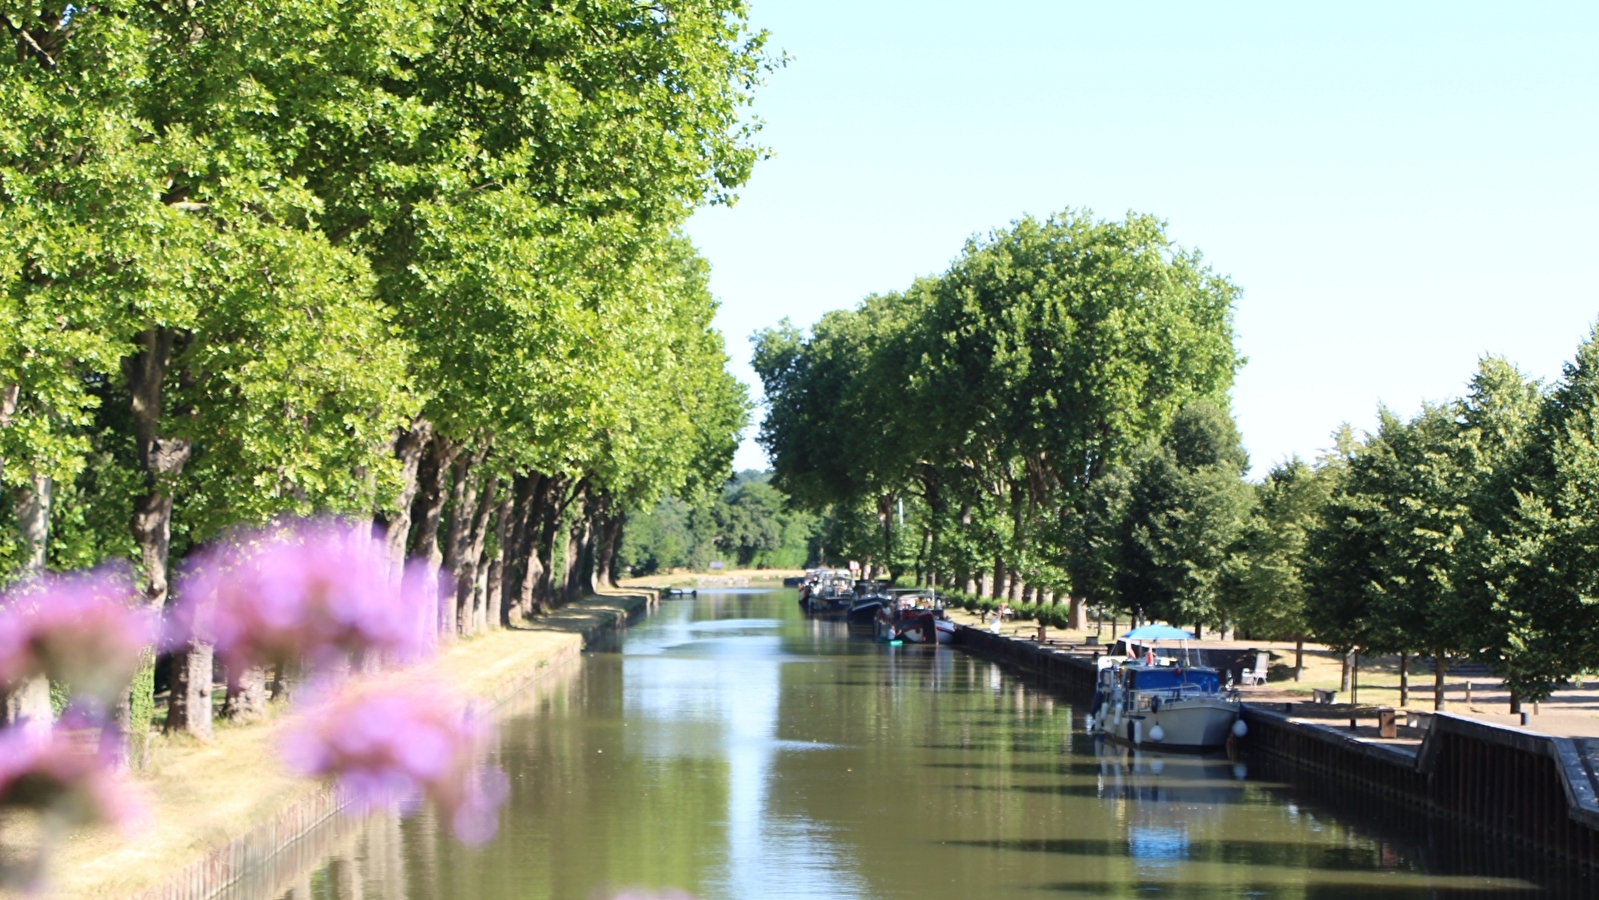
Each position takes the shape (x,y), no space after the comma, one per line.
(345,214)
(1380,572)
(1156,536)
(991,399)
(1458,533)
(749,525)
(1266,575)
(142,713)
(1530,572)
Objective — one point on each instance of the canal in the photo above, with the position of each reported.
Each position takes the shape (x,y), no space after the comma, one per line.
(733,749)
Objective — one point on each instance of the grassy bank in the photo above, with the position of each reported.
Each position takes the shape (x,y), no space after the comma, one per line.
(201,796)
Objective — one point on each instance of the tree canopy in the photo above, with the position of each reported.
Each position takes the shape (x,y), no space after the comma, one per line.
(989,399)
(417,262)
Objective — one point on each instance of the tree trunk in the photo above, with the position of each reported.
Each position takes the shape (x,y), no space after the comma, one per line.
(1000,587)
(457,541)
(1354,678)
(542,554)
(9,395)
(189,704)
(1299,659)
(591,553)
(1440,669)
(1515,704)
(1076,614)
(33,507)
(524,490)
(433,475)
(247,695)
(1343,679)
(570,551)
(480,597)
(572,568)
(533,586)
(28,707)
(1404,680)
(476,507)
(605,553)
(28,704)
(393,527)
(580,571)
(161,460)
(504,537)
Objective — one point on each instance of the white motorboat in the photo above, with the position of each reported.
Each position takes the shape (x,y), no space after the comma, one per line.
(1172,707)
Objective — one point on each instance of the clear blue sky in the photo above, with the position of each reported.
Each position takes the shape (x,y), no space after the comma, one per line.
(1398,188)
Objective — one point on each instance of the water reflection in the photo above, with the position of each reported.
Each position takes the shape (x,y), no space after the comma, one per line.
(735,750)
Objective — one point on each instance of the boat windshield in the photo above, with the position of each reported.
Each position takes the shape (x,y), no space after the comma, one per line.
(1168,678)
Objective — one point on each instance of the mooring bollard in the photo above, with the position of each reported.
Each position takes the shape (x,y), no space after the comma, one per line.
(1524,719)
(1468,693)
(1351,723)
(1387,724)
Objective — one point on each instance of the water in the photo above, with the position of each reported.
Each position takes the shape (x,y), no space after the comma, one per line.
(733,749)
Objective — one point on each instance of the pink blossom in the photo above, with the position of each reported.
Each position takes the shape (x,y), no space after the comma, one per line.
(319,591)
(64,780)
(82,630)
(388,745)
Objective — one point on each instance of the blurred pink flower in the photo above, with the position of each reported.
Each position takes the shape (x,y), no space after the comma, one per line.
(319,591)
(389,745)
(82,630)
(56,777)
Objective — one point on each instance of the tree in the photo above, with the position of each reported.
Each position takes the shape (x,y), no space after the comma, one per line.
(418,262)
(1268,572)
(1186,509)
(990,398)
(1380,577)
(1532,568)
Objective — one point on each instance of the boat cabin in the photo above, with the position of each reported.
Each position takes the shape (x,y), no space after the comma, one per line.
(1142,687)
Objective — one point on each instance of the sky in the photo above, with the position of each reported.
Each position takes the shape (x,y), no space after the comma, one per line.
(1398,189)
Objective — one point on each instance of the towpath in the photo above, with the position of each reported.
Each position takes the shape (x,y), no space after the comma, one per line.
(1573,712)
(204,796)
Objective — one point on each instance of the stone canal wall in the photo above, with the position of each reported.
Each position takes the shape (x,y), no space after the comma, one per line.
(271,858)
(1538,791)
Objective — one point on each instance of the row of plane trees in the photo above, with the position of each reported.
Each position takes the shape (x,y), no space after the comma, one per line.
(1047,422)
(415,263)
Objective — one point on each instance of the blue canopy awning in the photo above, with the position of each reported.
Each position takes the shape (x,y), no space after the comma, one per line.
(1157,633)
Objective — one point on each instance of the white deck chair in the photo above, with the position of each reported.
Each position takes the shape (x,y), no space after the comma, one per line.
(1257,675)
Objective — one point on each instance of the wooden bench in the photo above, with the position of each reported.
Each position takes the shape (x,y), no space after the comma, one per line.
(1317,695)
